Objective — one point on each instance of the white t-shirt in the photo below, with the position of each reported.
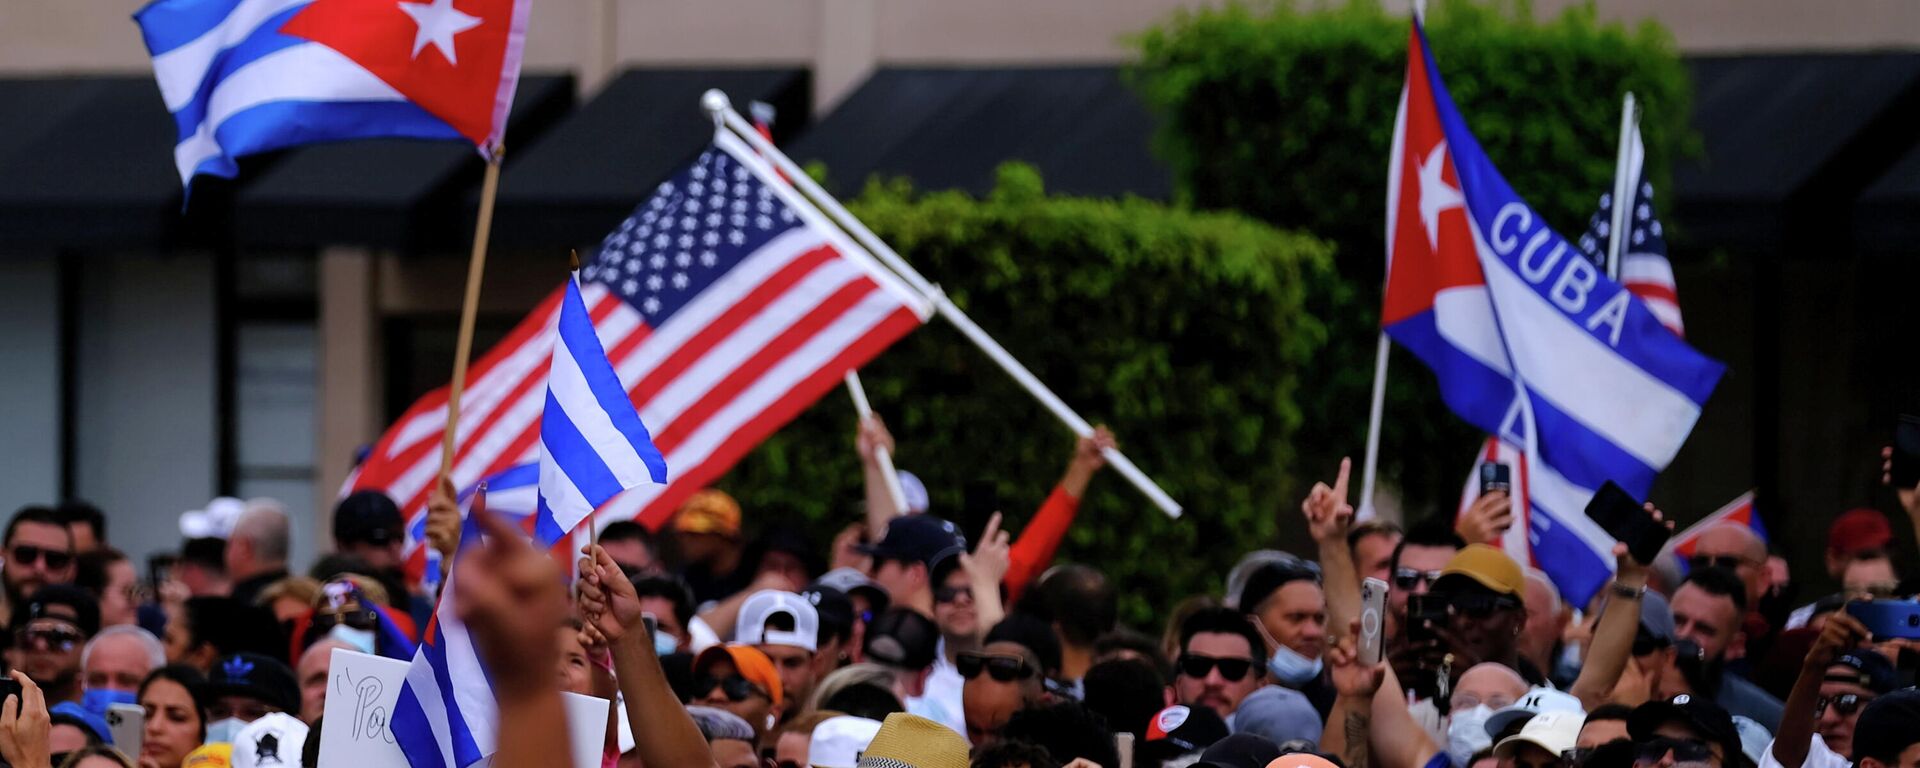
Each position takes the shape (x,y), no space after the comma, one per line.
(1818,756)
(941,701)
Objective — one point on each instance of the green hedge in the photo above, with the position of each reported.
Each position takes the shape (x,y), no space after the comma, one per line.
(1287,114)
(1186,332)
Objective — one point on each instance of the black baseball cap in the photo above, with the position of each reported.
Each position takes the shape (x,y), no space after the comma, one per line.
(1240,750)
(920,538)
(1697,712)
(367,517)
(1885,728)
(833,608)
(1181,730)
(1865,668)
(256,676)
(903,638)
(61,601)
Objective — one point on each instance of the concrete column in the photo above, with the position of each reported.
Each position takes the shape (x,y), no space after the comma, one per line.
(847,53)
(349,407)
(30,351)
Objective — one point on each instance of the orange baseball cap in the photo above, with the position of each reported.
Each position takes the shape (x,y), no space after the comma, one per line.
(710,510)
(748,661)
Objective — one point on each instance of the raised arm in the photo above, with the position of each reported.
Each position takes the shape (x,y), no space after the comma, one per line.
(1369,724)
(1040,540)
(985,567)
(511,602)
(1329,516)
(663,734)
(880,508)
(1795,737)
(1613,634)
(1909,497)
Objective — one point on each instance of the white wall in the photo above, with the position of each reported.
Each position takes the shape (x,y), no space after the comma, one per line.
(146,421)
(30,386)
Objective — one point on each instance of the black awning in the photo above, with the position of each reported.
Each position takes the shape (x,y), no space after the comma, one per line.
(1779,131)
(1887,219)
(1085,129)
(581,179)
(88,162)
(386,192)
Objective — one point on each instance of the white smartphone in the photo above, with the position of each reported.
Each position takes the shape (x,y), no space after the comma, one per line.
(127,723)
(1373,608)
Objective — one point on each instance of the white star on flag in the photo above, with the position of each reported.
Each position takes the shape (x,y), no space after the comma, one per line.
(438,22)
(1435,194)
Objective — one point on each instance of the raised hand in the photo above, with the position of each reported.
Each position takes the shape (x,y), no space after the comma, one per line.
(1627,570)
(608,601)
(25,727)
(1487,519)
(989,561)
(846,552)
(873,434)
(443,518)
(509,596)
(1329,515)
(1350,677)
(1842,632)
(1909,497)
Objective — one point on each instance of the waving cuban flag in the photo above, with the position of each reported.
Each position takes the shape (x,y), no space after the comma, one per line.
(1529,340)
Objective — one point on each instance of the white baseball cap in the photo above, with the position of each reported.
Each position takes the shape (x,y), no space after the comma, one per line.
(762,605)
(1555,732)
(838,741)
(272,740)
(1535,701)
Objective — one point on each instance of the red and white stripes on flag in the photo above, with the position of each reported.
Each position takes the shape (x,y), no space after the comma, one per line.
(727,305)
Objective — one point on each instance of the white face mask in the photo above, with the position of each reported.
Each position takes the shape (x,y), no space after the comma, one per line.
(1467,734)
(362,640)
(222,731)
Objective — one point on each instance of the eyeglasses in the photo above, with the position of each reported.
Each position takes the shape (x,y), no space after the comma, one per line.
(1684,750)
(1729,562)
(1005,669)
(951,594)
(1480,606)
(735,688)
(1408,578)
(27,554)
(1197,666)
(1844,704)
(50,639)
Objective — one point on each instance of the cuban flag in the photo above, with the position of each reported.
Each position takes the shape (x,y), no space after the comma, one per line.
(1740,512)
(592,447)
(248,76)
(1529,341)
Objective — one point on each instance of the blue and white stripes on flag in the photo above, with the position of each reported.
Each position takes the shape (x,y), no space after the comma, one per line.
(237,86)
(592,444)
(1530,341)
(592,447)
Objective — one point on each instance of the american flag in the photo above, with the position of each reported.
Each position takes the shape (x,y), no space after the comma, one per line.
(727,305)
(1644,269)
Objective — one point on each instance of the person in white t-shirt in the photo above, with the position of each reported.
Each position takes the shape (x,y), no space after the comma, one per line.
(1823,713)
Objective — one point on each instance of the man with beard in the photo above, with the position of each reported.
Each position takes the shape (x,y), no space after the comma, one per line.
(1218,665)
(37,551)
(1707,612)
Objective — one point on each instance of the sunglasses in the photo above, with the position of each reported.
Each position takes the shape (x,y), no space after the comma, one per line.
(27,554)
(951,594)
(50,639)
(1005,669)
(1684,750)
(1408,578)
(1845,704)
(735,688)
(1479,606)
(1197,666)
(1729,562)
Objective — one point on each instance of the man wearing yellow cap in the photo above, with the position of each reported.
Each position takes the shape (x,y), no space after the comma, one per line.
(1485,594)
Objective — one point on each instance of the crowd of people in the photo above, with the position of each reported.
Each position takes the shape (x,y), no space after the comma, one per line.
(907,642)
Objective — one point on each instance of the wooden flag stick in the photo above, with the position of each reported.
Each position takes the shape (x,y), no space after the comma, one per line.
(476,265)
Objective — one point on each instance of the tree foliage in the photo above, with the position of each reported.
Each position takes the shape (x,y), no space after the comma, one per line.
(1186,332)
(1286,114)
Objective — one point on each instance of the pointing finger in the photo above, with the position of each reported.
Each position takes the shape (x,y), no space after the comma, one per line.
(1340,482)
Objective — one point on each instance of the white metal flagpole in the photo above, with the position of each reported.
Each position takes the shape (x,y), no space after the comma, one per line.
(1374,416)
(860,406)
(717,104)
(1622,186)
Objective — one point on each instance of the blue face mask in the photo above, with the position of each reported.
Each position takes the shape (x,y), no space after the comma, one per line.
(664,644)
(96,700)
(222,731)
(362,640)
(1292,669)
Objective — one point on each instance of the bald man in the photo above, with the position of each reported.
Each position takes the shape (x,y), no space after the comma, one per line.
(257,549)
(1484,689)
(1735,547)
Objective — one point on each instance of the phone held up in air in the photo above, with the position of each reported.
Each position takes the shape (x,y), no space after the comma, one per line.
(127,723)
(1889,619)
(1495,476)
(1905,471)
(1373,611)
(1627,522)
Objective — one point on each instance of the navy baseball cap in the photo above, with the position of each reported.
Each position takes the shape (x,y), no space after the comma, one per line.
(1865,668)
(1704,717)
(256,676)
(920,538)
(367,516)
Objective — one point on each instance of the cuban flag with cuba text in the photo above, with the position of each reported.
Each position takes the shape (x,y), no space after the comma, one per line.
(1528,340)
(243,77)
(592,447)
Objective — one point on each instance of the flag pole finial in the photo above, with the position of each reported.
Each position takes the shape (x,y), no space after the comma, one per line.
(573,260)
(715,102)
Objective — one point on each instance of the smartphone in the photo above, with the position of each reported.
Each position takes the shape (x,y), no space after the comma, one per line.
(9,687)
(127,724)
(1424,612)
(1889,619)
(1905,472)
(1373,606)
(1495,476)
(1627,521)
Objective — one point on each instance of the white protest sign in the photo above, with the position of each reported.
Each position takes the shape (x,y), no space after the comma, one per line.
(362,690)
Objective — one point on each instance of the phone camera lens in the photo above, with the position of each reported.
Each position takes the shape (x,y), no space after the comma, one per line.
(1913,619)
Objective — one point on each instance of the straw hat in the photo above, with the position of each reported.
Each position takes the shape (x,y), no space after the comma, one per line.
(912,741)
